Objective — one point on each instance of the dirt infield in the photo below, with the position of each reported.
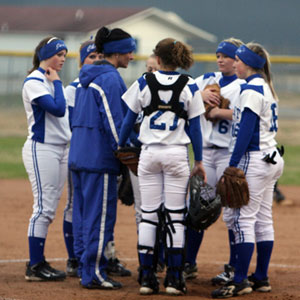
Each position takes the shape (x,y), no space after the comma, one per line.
(16,204)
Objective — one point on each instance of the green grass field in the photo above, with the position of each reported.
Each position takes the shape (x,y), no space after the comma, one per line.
(11,165)
(13,130)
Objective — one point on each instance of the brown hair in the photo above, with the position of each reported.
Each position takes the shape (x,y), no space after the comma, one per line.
(266,70)
(35,60)
(174,54)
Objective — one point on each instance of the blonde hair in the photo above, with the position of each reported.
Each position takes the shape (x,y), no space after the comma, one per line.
(266,70)
(174,54)
(234,41)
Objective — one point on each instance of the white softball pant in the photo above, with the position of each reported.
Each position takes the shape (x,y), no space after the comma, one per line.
(137,197)
(163,174)
(254,222)
(215,161)
(47,167)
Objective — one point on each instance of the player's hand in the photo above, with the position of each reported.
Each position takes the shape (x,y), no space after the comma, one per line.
(198,169)
(51,74)
(211,97)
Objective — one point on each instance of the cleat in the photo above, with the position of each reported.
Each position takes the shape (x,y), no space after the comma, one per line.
(231,289)
(115,268)
(42,271)
(149,284)
(190,271)
(259,285)
(107,284)
(175,286)
(72,267)
(224,277)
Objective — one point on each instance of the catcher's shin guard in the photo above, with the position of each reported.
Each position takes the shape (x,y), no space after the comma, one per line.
(169,221)
(158,223)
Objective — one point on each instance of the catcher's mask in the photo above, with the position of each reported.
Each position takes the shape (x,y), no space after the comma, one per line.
(205,206)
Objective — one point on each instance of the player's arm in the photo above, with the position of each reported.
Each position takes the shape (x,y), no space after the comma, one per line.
(196,138)
(247,126)
(220,113)
(55,106)
(127,126)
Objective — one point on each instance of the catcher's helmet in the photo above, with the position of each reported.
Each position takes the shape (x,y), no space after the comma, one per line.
(205,206)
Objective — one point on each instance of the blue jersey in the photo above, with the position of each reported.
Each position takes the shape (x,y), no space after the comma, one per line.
(97,118)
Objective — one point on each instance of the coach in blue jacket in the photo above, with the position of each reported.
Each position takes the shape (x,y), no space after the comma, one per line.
(97,119)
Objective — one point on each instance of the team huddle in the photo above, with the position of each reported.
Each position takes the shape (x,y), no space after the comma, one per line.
(74,133)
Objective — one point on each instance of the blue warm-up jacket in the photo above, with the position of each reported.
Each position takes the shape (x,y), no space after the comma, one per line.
(97,118)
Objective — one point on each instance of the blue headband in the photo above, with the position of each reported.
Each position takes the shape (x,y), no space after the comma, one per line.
(52,47)
(85,51)
(227,48)
(250,58)
(121,46)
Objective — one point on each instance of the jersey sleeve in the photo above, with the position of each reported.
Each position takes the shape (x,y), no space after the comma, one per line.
(252,100)
(70,92)
(132,96)
(196,106)
(35,89)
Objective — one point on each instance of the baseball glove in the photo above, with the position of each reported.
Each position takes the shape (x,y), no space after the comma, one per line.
(125,191)
(233,188)
(224,103)
(129,156)
(205,206)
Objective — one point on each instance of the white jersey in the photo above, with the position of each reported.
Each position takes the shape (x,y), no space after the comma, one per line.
(70,92)
(164,127)
(43,127)
(257,96)
(219,133)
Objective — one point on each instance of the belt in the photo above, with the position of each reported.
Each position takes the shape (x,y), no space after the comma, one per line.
(215,147)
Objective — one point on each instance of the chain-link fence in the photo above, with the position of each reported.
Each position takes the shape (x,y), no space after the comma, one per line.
(15,65)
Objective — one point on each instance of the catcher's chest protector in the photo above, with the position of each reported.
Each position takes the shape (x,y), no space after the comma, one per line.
(173,105)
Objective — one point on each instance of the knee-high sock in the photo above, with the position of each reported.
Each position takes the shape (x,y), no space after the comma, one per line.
(244,254)
(146,262)
(175,261)
(68,236)
(36,249)
(232,247)
(264,252)
(194,240)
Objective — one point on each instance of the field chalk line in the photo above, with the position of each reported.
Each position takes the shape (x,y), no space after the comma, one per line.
(23,260)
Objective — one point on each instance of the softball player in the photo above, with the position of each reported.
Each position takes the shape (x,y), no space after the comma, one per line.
(88,55)
(96,122)
(254,129)
(171,104)
(216,140)
(45,151)
(151,66)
